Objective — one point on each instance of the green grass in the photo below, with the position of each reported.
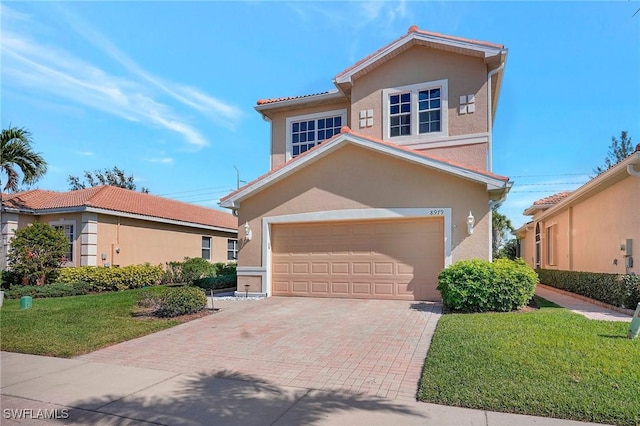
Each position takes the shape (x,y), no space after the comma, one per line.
(69,326)
(550,362)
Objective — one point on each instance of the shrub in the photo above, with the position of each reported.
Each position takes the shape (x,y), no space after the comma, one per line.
(37,252)
(225,268)
(480,286)
(49,290)
(194,268)
(114,278)
(180,301)
(618,290)
(172,273)
(215,283)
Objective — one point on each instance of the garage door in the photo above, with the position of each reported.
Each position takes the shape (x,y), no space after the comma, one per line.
(392,259)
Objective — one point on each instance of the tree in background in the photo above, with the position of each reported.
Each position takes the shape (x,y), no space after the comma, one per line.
(113,177)
(37,252)
(618,151)
(501,228)
(16,153)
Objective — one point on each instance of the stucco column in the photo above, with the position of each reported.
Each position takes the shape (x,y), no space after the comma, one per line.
(89,240)
(9,227)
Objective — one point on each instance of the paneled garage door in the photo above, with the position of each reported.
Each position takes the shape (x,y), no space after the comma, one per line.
(390,259)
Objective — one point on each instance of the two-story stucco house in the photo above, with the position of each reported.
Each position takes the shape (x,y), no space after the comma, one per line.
(378,184)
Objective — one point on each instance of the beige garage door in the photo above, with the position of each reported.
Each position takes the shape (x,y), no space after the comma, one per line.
(391,259)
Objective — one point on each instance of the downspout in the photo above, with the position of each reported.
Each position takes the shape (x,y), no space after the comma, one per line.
(490,115)
(632,171)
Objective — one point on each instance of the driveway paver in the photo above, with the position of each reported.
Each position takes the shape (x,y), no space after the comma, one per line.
(373,347)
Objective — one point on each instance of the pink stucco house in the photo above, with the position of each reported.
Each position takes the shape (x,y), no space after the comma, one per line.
(378,184)
(592,229)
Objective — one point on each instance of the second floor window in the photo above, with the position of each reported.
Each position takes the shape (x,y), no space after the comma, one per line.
(306,131)
(418,111)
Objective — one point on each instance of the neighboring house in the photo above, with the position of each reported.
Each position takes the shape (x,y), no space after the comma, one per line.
(378,211)
(108,225)
(593,228)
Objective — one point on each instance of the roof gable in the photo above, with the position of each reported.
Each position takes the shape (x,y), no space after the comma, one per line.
(115,199)
(415,36)
(494,182)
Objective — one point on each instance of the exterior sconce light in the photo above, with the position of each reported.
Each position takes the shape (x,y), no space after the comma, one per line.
(470,222)
(247,231)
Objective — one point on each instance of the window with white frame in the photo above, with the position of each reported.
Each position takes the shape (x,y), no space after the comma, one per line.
(68,231)
(417,111)
(206,248)
(306,131)
(232,250)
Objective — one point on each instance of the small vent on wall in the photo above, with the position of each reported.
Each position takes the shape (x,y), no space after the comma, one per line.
(366,118)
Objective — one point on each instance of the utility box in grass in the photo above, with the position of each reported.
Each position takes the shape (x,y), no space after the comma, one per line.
(26,302)
(634,328)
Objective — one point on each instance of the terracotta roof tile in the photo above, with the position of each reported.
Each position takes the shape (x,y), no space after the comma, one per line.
(288,98)
(346,129)
(121,200)
(552,199)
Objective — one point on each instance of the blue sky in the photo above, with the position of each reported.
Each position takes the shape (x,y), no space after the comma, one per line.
(166,90)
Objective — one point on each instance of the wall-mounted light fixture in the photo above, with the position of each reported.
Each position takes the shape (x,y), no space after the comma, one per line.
(247,231)
(470,222)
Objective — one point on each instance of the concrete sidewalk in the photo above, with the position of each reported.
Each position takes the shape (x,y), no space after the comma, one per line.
(85,392)
(579,305)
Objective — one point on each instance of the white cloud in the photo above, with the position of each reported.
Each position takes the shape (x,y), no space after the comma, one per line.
(138,97)
(160,160)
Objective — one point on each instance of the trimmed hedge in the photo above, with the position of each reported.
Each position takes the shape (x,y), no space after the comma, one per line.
(114,278)
(481,286)
(174,301)
(617,290)
(49,290)
(215,283)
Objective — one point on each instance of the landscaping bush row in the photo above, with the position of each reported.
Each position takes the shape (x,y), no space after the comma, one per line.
(173,301)
(481,286)
(617,290)
(115,278)
(50,290)
(193,268)
(216,283)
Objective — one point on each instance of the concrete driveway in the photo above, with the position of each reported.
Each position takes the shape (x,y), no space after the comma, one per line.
(372,347)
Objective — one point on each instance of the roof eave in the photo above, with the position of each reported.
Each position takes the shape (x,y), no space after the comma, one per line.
(495,186)
(332,95)
(593,185)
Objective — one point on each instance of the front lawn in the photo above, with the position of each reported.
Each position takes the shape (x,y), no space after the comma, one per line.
(549,362)
(68,326)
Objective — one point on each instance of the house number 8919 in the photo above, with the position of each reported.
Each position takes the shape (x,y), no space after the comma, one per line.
(436,212)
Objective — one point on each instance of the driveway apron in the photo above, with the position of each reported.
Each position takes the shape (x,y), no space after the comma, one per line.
(375,347)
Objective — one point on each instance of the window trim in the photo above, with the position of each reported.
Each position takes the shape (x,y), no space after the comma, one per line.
(234,250)
(324,114)
(55,223)
(414,89)
(202,248)
(552,245)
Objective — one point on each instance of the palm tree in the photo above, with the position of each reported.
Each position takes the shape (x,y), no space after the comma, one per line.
(16,153)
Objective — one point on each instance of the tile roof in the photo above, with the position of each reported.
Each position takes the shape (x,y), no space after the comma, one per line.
(414,29)
(346,129)
(120,200)
(288,98)
(552,199)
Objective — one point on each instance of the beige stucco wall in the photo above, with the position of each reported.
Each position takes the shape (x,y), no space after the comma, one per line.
(466,75)
(470,155)
(142,241)
(357,178)
(590,231)
(279,128)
